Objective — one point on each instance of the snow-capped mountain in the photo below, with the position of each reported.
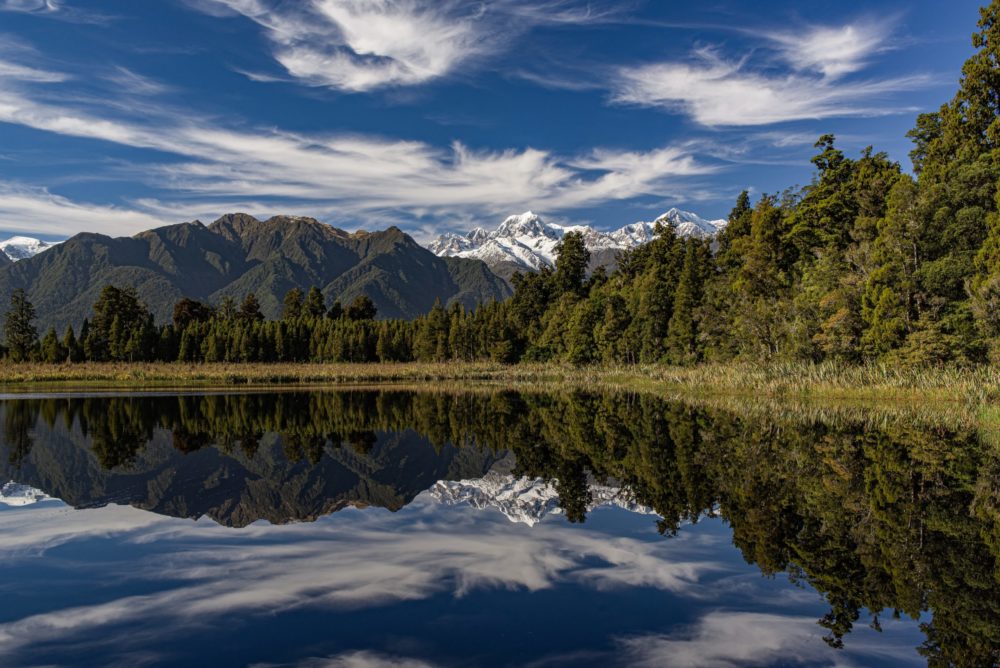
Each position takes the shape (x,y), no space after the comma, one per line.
(21,248)
(525,500)
(527,243)
(16,494)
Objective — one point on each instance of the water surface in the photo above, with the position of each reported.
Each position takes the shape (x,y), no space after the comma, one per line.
(489,528)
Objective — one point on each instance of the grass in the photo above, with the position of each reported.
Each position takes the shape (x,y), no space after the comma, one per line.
(837,382)
(876,394)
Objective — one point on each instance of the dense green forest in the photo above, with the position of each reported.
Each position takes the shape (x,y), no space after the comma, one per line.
(896,516)
(867,262)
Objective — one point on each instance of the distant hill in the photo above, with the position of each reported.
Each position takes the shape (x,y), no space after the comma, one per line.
(239,254)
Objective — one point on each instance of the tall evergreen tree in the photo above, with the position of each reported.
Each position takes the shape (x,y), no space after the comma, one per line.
(19,328)
(292,305)
(51,350)
(362,308)
(250,310)
(315,306)
(572,258)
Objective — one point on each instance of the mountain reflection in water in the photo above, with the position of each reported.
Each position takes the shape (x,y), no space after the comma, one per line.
(890,529)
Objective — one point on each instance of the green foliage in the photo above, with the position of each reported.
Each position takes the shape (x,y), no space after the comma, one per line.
(21,337)
(292,305)
(863,264)
(363,308)
(315,306)
(52,351)
(571,263)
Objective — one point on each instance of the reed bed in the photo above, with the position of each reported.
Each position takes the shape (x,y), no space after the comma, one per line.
(972,385)
(872,394)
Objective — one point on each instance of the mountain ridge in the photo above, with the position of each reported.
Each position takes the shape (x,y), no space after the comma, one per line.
(239,254)
(525,242)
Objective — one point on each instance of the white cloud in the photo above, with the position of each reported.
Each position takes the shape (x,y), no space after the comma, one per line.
(350,175)
(353,560)
(56,9)
(360,660)
(360,45)
(834,51)
(724,639)
(30,6)
(9,70)
(718,91)
(36,211)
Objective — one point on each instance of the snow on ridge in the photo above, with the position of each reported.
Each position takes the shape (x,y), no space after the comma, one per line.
(525,500)
(16,494)
(21,248)
(527,241)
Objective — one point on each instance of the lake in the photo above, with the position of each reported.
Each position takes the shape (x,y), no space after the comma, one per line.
(371,527)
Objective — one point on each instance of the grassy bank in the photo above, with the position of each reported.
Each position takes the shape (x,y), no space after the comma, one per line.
(824,381)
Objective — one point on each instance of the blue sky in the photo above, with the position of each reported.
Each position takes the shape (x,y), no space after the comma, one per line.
(118,116)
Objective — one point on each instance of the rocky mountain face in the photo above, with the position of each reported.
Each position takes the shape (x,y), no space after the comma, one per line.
(237,255)
(527,243)
(21,248)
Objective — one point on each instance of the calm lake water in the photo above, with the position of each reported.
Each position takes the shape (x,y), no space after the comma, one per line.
(367,528)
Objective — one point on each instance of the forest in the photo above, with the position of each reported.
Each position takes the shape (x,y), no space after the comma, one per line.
(866,263)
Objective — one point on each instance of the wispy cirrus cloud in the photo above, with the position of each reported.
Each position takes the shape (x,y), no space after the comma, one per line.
(208,166)
(57,9)
(790,77)
(835,51)
(360,45)
(29,210)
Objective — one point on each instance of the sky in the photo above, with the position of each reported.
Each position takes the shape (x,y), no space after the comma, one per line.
(122,115)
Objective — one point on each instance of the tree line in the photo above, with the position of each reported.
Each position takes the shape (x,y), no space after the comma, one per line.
(867,262)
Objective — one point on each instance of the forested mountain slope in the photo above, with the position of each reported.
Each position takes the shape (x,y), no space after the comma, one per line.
(237,255)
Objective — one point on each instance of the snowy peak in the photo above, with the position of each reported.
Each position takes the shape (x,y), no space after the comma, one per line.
(690,224)
(525,500)
(526,242)
(16,494)
(527,226)
(21,248)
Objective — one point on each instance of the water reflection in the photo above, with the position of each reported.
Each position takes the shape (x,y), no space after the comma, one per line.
(885,519)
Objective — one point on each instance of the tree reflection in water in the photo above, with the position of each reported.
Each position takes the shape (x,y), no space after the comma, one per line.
(896,517)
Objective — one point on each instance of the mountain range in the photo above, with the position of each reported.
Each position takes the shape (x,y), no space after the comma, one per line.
(21,248)
(233,488)
(239,254)
(525,500)
(527,243)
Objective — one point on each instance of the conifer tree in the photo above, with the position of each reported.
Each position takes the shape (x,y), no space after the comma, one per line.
(292,305)
(682,333)
(572,258)
(74,351)
(51,350)
(315,306)
(362,308)
(250,310)
(19,328)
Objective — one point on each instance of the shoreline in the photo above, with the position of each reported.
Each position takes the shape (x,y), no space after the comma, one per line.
(976,385)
